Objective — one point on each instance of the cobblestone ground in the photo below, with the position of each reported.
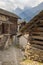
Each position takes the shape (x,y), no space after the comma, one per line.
(11,56)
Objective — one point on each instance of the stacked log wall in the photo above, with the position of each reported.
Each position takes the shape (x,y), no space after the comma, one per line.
(36,35)
(36,42)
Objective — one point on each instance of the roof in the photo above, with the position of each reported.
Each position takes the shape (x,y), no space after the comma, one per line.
(38,16)
(2,11)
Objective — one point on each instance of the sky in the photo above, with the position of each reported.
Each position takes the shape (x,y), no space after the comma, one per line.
(13,4)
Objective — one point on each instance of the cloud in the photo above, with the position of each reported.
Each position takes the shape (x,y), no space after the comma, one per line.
(34,3)
(12,4)
(7,4)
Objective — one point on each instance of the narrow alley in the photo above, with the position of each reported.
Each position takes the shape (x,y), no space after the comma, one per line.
(11,56)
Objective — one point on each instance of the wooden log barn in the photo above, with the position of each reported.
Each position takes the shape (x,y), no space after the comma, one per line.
(35,30)
(8,27)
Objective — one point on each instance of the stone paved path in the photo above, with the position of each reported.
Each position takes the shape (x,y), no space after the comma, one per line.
(11,56)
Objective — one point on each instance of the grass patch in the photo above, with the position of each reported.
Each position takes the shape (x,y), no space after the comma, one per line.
(30,62)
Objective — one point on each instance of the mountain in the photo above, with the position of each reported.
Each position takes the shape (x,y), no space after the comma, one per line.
(28,13)
(18,11)
(35,11)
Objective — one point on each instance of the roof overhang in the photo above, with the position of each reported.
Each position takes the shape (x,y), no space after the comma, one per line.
(2,11)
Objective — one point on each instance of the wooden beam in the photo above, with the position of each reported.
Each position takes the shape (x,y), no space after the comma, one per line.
(37,42)
(40,29)
(1,36)
(41,33)
(41,21)
(6,22)
(37,37)
(7,34)
(33,24)
(37,46)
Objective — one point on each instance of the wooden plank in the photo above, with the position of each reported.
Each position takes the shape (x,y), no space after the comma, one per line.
(40,24)
(7,34)
(37,34)
(37,37)
(34,24)
(0,22)
(41,21)
(38,29)
(6,22)
(37,46)
(41,33)
(37,42)
(1,36)
(7,42)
